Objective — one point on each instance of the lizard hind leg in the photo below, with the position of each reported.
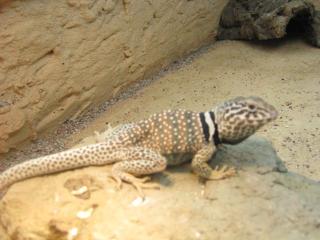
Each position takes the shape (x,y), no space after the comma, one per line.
(140,162)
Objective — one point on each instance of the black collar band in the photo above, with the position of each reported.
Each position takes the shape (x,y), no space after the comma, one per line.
(216,138)
(205,126)
(206,129)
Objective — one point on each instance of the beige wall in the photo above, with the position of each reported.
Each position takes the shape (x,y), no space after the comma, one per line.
(59,57)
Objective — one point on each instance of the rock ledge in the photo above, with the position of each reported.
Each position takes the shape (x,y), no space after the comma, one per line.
(262,202)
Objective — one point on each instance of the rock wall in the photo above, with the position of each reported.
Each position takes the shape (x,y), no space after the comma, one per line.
(60,57)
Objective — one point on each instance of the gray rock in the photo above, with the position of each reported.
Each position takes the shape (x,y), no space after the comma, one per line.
(263,201)
(269,19)
(315,26)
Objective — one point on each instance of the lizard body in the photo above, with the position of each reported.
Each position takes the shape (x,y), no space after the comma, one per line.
(149,146)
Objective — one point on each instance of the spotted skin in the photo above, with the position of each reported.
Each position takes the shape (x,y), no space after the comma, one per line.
(149,146)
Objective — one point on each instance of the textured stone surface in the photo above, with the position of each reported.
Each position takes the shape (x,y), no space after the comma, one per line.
(262,202)
(60,57)
(315,37)
(264,19)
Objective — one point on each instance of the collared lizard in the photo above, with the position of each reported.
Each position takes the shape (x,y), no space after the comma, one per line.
(149,146)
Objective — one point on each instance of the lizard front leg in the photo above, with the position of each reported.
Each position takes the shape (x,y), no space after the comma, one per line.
(138,161)
(200,165)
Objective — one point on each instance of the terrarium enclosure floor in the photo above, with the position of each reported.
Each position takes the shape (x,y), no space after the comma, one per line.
(284,72)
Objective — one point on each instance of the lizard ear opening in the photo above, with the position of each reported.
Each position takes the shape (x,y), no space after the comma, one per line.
(252,107)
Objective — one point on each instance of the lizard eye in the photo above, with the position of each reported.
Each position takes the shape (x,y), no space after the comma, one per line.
(252,108)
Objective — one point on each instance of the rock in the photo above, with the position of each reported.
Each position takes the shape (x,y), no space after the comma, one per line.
(58,58)
(12,119)
(264,19)
(315,29)
(263,201)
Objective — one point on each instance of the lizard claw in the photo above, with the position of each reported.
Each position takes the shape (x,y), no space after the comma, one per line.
(118,181)
(144,179)
(141,185)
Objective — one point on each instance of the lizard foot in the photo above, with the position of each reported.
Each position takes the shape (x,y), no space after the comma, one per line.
(138,183)
(222,172)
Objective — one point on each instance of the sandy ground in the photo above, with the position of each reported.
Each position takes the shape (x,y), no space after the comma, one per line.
(285,73)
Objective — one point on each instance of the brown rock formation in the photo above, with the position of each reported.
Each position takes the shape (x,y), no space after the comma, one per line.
(264,19)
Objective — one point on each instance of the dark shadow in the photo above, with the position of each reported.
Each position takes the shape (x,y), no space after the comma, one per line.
(163,179)
(300,25)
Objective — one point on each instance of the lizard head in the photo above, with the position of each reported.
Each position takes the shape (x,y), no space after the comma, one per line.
(240,117)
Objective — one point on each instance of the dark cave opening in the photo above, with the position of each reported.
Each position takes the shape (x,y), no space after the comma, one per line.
(300,25)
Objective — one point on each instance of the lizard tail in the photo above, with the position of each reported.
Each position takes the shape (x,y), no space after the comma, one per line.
(95,154)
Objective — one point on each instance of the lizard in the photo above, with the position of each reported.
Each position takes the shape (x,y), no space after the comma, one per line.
(167,138)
